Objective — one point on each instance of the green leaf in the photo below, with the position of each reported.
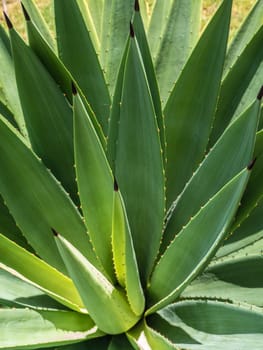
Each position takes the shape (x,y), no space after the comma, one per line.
(95,184)
(48,115)
(236,83)
(15,292)
(124,256)
(119,342)
(8,82)
(58,71)
(91,12)
(138,162)
(173,32)
(254,191)
(234,150)
(30,268)
(245,234)
(100,297)
(236,278)
(189,112)
(73,36)
(216,325)
(31,329)
(39,21)
(150,73)
(116,17)
(245,34)
(165,287)
(9,228)
(144,337)
(42,203)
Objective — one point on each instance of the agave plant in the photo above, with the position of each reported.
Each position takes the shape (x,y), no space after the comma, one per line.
(131,152)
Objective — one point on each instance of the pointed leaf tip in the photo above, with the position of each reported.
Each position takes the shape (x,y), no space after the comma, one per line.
(25,13)
(131,30)
(74,89)
(136,6)
(8,22)
(54,232)
(260,94)
(251,164)
(116,187)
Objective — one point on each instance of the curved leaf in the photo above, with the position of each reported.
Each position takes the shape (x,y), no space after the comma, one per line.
(84,64)
(48,115)
(8,82)
(173,31)
(98,294)
(31,329)
(95,184)
(205,231)
(189,112)
(42,203)
(216,325)
(236,278)
(138,162)
(232,152)
(30,268)
(15,292)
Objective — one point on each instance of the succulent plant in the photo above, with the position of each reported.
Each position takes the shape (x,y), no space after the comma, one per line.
(131,152)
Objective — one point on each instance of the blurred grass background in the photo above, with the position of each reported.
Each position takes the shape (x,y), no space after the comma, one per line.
(240,10)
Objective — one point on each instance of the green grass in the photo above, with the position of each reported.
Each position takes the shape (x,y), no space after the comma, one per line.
(240,10)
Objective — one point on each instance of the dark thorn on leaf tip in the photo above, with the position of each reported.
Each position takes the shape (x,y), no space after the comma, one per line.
(131,30)
(250,165)
(74,89)
(54,232)
(26,15)
(260,94)
(136,6)
(116,187)
(8,22)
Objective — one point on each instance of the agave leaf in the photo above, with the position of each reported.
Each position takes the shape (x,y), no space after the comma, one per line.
(84,64)
(48,57)
(254,191)
(218,212)
(9,228)
(174,334)
(6,113)
(47,114)
(138,161)
(149,70)
(15,292)
(119,342)
(216,325)
(124,256)
(27,266)
(98,294)
(237,278)
(173,32)
(8,82)
(233,88)
(244,35)
(231,153)
(101,343)
(246,234)
(143,337)
(39,21)
(115,28)
(40,328)
(58,71)
(91,12)
(189,112)
(41,204)
(95,184)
